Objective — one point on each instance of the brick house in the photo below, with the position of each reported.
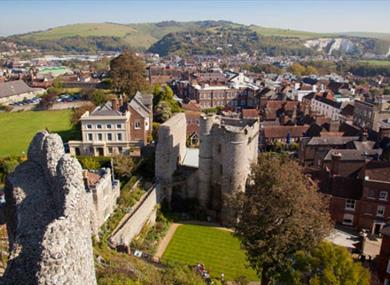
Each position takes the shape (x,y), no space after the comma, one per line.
(359,188)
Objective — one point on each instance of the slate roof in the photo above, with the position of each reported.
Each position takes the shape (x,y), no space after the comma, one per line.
(105,110)
(347,110)
(137,103)
(331,140)
(352,154)
(334,104)
(12,88)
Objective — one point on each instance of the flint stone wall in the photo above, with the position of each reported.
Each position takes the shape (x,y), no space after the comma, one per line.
(48,218)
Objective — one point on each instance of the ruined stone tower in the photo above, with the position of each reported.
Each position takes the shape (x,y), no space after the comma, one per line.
(48,218)
(228,147)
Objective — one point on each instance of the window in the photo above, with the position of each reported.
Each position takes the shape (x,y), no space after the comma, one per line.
(90,137)
(137,124)
(109,149)
(383,195)
(89,126)
(99,126)
(119,126)
(120,149)
(380,211)
(119,137)
(219,148)
(350,204)
(108,126)
(221,169)
(109,137)
(348,219)
(100,137)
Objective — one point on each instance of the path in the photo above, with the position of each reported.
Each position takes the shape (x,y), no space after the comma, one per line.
(162,246)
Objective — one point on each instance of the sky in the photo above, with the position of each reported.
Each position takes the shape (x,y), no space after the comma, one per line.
(20,16)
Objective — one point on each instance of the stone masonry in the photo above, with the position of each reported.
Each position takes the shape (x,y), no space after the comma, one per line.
(228,148)
(48,218)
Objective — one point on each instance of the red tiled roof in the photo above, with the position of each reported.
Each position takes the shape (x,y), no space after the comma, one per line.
(282,131)
(378,170)
(250,113)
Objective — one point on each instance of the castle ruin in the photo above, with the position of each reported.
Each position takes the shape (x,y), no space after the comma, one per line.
(220,167)
(48,218)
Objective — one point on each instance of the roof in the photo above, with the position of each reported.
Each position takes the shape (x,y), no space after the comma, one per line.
(105,110)
(329,102)
(12,88)
(352,154)
(138,104)
(347,110)
(331,140)
(378,170)
(93,178)
(192,106)
(283,131)
(191,158)
(250,113)
(309,96)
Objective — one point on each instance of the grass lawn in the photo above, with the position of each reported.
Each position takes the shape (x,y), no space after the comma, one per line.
(217,249)
(373,62)
(18,129)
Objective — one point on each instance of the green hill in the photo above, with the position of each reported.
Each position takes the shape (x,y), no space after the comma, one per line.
(199,36)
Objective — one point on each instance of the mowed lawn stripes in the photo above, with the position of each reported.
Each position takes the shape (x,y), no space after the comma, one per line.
(217,249)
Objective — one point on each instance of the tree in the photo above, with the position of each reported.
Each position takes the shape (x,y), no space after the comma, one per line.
(326,264)
(99,97)
(162,112)
(128,74)
(280,213)
(78,112)
(311,70)
(123,165)
(47,101)
(297,69)
(386,90)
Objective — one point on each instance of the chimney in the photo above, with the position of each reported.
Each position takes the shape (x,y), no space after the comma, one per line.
(334,126)
(335,167)
(282,119)
(114,104)
(363,136)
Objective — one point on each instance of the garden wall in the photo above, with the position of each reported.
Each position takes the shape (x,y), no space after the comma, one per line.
(131,225)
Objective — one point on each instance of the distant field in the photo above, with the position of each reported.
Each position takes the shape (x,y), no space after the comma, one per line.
(375,62)
(287,33)
(84,30)
(217,249)
(17,129)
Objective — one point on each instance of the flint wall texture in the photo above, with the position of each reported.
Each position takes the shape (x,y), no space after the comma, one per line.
(48,218)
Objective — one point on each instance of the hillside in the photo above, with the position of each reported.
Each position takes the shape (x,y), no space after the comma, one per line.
(200,37)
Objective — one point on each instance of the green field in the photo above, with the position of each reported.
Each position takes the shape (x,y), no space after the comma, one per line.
(17,129)
(217,249)
(375,62)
